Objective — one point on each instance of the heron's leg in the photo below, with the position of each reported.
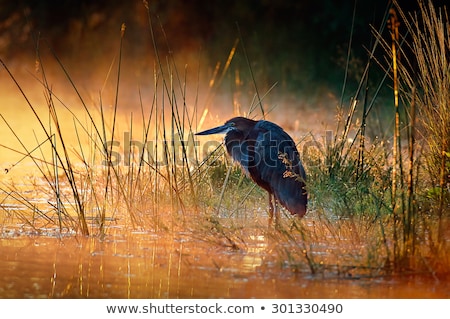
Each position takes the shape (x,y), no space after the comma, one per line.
(273,209)
(276,209)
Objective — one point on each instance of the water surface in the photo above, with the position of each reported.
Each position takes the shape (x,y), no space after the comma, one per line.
(141,264)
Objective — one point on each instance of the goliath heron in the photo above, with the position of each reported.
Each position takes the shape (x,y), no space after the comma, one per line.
(270,157)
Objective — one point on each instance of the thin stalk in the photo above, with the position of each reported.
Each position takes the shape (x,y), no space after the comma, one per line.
(263,114)
(393,25)
(411,217)
(57,190)
(347,63)
(225,183)
(362,134)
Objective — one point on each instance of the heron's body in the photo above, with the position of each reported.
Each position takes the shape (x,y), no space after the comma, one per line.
(270,157)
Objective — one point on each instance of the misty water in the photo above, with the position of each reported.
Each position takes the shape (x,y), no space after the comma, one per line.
(145,265)
(189,264)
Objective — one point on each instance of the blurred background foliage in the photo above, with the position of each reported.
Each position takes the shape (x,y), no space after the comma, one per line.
(301,45)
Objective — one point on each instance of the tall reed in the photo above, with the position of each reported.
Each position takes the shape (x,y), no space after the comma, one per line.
(426,84)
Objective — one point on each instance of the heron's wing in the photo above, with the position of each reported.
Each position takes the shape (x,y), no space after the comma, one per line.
(282,147)
(276,166)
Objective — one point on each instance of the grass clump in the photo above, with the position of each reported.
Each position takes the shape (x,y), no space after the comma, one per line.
(87,185)
(426,84)
(393,194)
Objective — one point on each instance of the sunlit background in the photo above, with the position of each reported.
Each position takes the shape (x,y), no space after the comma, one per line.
(225,55)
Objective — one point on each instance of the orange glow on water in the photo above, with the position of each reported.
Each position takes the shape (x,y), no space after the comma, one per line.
(141,264)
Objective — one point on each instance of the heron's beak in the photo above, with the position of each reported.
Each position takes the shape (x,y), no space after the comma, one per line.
(216,130)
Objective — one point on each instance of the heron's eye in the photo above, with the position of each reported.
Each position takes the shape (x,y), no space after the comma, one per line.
(232,124)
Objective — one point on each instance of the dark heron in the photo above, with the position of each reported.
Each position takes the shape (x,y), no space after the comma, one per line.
(270,157)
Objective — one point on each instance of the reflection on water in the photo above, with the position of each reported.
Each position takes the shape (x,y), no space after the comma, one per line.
(149,265)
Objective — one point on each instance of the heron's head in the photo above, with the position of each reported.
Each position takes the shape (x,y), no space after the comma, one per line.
(241,124)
